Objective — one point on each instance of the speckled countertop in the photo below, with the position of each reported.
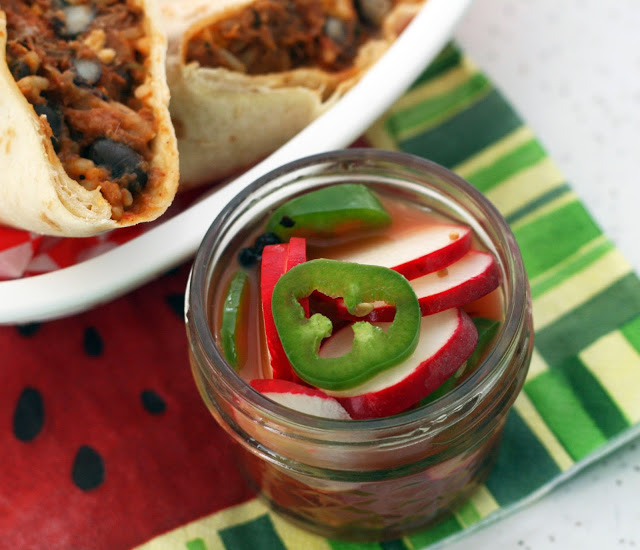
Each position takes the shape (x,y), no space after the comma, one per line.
(572,69)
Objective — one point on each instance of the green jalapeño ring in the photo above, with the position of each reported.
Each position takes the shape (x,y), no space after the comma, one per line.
(377,478)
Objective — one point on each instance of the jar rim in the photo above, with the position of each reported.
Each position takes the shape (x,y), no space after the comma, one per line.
(515,313)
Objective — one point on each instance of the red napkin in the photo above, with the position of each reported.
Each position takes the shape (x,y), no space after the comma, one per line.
(23,254)
(105,440)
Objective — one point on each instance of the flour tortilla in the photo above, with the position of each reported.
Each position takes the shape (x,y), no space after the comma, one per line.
(227,121)
(35,192)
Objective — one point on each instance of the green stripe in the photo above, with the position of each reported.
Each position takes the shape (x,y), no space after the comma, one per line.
(344,545)
(196,544)
(604,313)
(539,202)
(467,514)
(448,58)
(467,133)
(525,156)
(523,464)
(550,238)
(393,545)
(594,398)
(257,534)
(562,411)
(445,528)
(631,332)
(386,545)
(431,111)
(572,267)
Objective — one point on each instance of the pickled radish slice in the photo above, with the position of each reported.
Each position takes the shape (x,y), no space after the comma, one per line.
(447,339)
(301,398)
(276,260)
(414,254)
(473,276)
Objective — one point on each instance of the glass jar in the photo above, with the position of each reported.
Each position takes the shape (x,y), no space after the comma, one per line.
(364,479)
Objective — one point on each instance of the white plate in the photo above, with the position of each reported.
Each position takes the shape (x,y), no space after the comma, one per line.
(117,271)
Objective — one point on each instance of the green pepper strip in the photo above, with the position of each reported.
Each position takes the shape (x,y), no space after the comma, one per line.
(329,212)
(374,350)
(232,317)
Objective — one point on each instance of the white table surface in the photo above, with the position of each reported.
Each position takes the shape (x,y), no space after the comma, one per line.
(572,70)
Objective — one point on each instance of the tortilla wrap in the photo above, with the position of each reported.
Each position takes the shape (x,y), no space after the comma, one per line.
(227,120)
(36,192)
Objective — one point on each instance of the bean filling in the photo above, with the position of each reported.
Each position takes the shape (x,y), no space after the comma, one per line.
(81,64)
(279,35)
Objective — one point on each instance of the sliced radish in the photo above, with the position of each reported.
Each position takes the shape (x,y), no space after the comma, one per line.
(447,339)
(423,250)
(473,276)
(276,260)
(301,398)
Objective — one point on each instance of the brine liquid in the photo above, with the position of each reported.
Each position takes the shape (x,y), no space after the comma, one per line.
(405,218)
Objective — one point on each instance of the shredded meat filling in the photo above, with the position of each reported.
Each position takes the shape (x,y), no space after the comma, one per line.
(79,63)
(280,35)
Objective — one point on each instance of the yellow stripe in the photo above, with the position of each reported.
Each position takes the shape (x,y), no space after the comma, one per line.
(525,186)
(616,365)
(483,501)
(537,366)
(562,200)
(494,152)
(293,537)
(578,289)
(207,528)
(542,432)
(379,138)
(440,85)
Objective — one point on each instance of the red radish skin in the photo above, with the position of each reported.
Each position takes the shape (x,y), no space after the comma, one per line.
(447,339)
(301,398)
(276,260)
(416,253)
(473,276)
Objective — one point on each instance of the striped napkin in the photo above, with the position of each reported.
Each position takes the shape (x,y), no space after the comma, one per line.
(580,399)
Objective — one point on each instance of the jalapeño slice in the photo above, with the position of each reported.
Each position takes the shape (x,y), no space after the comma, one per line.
(373,351)
(328,212)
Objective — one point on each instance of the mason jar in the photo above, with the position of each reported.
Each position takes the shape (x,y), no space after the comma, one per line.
(375,479)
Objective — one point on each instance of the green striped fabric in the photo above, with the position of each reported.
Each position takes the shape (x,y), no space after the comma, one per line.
(580,398)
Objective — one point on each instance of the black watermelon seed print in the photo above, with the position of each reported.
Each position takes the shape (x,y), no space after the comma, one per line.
(88,468)
(29,329)
(176,303)
(152,402)
(28,417)
(92,342)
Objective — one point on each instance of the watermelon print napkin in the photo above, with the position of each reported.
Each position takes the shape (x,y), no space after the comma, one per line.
(107,444)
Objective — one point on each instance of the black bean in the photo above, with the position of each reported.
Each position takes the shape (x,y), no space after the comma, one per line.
(336,29)
(77,19)
(19,69)
(257,20)
(120,160)
(373,11)
(264,240)
(248,257)
(54,118)
(87,71)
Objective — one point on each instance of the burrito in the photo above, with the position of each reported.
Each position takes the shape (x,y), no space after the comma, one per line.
(247,75)
(86,141)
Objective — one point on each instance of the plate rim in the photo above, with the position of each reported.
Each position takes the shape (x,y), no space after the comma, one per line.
(74,289)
